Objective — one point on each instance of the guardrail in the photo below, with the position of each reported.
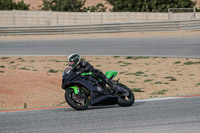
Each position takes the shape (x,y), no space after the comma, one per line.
(103,28)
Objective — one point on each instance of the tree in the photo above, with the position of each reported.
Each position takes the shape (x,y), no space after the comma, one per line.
(149,5)
(63,5)
(98,8)
(21,6)
(10,5)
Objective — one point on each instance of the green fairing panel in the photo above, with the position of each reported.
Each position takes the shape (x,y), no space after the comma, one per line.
(90,73)
(111,74)
(75,89)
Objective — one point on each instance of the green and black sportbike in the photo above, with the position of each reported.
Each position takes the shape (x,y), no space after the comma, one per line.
(83,90)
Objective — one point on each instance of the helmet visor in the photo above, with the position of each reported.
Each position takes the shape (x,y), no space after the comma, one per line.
(70,63)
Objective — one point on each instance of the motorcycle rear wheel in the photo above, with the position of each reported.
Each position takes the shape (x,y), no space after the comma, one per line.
(75,101)
(126,100)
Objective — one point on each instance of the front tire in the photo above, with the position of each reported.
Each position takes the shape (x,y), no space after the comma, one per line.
(78,102)
(126,100)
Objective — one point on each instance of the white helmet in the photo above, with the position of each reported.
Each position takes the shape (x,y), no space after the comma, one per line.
(74,59)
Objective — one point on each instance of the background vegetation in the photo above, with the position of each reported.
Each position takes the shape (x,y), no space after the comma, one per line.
(118,5)
(63,5)
(11,5)
(149,5)
(71,6)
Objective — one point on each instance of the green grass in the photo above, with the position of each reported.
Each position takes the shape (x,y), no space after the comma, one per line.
(137,89)
(24,68)
(139,73)
(116,56)
(98,65)
(148,80)
(160,92)
(130,81)
(124,72)
(12,62)
(191,63)
(153,74)
(198,84)
(158,82)
(191,75)
(1,71)
(25,105)
(4,58)
(124,63)
(20,58)
(177,62)
(54,60)
(53,71)
(129,57)
(166,83)
(136,57)
(2,66)
(171,78)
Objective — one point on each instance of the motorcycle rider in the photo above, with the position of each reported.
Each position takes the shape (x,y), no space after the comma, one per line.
(79,65)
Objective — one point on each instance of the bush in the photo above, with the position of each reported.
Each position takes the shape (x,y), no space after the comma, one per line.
(10,5)
(53,71)
(149,5)
(160,92)
(137,90)
(63,5)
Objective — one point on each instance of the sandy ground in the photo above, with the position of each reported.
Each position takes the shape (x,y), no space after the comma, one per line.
(34,81)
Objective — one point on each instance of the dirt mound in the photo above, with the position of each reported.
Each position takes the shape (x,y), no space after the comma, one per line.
(22,88)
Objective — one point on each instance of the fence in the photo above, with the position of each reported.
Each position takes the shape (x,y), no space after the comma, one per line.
(34,18)
(103,28)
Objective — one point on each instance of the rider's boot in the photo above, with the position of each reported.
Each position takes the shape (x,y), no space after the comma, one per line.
(115,87)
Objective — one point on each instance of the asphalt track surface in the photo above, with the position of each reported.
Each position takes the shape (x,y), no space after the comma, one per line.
(180,115)
(167,46)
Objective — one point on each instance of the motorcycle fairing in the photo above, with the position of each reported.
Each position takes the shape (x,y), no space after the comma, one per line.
(76,89)
(91,84)
(111,74)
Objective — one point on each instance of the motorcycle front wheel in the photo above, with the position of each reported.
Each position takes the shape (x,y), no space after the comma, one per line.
(77,101)
(126,100)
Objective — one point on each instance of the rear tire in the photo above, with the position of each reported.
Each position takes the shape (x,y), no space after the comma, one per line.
(75,102)
(128,100)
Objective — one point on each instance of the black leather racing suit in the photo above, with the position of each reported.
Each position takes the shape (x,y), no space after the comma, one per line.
(84,66)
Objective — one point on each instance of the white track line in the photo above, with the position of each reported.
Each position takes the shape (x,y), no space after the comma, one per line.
(158,99)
